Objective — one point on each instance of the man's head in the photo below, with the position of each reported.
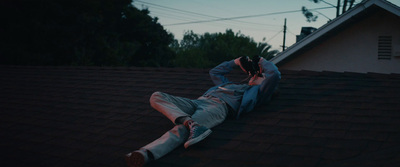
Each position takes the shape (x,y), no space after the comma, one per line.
(247,65)
(252,68)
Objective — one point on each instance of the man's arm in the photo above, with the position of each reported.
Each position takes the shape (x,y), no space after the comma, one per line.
(218,73)
(272,78)
(263,92)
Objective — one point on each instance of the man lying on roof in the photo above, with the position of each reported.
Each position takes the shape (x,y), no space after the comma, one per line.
(194,118)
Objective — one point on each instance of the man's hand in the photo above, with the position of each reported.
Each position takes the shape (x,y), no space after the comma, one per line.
(256,66)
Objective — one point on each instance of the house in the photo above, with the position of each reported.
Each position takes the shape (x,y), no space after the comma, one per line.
(93,116)
(364,39)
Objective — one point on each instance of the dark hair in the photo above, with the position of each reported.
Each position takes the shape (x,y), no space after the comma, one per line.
(251,67)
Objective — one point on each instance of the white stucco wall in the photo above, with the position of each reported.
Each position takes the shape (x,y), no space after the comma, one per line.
(354,49)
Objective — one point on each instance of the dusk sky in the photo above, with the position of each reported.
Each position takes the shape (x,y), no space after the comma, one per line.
(258,19)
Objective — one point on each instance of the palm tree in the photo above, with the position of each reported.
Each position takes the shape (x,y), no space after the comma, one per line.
(264,51)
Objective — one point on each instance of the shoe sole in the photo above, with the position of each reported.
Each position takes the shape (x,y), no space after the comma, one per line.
(198,139)
(134,159)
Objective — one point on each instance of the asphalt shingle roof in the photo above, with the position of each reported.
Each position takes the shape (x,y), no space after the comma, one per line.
(92,116)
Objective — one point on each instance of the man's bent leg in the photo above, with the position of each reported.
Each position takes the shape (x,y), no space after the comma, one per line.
(177,109)
(167,142)
(172,107)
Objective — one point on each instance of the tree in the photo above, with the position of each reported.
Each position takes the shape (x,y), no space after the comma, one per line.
(264,51)
(210,49)
(188,52)
(81,32)
(347,4)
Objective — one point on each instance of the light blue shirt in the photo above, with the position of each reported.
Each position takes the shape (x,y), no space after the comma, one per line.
(229,93)
(253,95)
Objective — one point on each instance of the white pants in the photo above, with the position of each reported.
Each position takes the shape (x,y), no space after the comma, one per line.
(207,111)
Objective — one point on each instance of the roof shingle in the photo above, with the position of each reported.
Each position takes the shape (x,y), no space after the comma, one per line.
(92,116)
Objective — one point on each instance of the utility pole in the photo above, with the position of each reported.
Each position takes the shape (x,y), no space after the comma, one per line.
(284,36)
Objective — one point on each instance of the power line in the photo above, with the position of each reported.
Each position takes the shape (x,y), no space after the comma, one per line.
(290,32)
(241,17)
(215,24)
(175,9)
(275,35)
(224,24)
(328,3)
(199,14)
(188,17)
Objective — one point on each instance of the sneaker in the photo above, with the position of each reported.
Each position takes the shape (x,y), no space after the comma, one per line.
(197,133)
(137,158)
